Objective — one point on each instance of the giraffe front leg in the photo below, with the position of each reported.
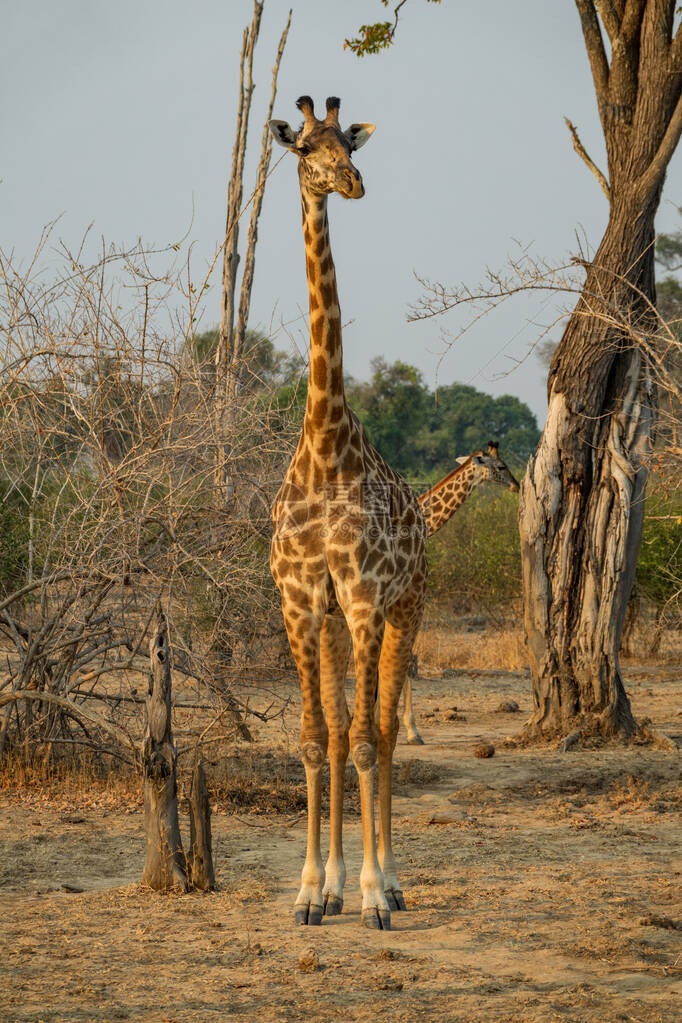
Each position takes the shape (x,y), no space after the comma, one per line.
(335,870)
(304,639)
(309,906)
(376,912)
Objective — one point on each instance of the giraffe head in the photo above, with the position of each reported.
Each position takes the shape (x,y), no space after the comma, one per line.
(323,150)
(489,466)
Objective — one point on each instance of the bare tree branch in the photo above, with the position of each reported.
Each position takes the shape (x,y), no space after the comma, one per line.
(589,163)
(76,710)
(610,17)
(656,170)
(594,44)
(259,192)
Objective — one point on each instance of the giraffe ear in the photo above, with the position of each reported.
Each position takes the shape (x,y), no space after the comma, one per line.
(282,133)
(358,134)
(462,459)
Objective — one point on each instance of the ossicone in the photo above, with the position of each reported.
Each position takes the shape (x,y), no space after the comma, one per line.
(333,105)
(307,108)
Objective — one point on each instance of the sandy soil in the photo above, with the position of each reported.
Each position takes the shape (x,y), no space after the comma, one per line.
(540,887)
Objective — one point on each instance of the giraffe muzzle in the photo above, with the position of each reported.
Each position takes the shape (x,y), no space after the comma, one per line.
(354,188)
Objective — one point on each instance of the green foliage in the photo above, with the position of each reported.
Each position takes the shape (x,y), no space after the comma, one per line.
(392,407)
(669,250)
(421,434)
(669,301)
(659,568)
(376,36)
(263,366)
(669,290)
(371,38)
(475,560)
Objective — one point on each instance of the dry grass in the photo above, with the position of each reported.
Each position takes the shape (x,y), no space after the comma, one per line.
(439,647)
(82,781)
(669,651)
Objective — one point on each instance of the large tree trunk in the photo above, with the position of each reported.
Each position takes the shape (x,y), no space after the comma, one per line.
(582,502)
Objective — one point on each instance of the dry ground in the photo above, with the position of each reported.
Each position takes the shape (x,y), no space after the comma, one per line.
(540,886)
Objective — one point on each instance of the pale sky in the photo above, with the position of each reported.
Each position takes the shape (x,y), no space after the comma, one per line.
(123,115)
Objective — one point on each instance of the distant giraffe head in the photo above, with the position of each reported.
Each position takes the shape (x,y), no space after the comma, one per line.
(489,466)
(323,150)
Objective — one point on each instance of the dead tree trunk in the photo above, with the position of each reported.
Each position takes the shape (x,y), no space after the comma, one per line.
(226,357)
(229,352)
(582,501)
(165,866)
(200,843)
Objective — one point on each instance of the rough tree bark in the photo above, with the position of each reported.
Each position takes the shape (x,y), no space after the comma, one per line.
(200,843)
(165,865)
(582,503)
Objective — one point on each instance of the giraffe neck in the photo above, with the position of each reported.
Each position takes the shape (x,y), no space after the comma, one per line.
(326,405)
(443,499)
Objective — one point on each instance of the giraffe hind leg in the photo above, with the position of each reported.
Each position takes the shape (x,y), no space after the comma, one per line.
(393,665)
(413,735)
(367,627)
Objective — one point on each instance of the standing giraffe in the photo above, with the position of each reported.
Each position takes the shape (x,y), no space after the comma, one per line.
(439,504)
(348,556)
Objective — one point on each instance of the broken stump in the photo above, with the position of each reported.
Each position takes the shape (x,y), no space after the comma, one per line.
(165,865)
(200,853)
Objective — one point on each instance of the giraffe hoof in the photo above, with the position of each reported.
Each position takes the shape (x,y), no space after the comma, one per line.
(415,740)
(309,915)
(333,905)
(395,900)
(376,919)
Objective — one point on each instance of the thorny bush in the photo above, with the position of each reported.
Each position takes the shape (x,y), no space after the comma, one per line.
(106,467)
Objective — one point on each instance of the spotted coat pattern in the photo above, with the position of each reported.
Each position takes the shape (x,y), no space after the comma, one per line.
(348,556)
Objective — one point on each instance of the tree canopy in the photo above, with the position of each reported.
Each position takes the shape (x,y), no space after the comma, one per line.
(421,433)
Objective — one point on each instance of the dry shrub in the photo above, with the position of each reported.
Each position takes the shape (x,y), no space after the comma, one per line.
(82,781)
(259,782)
(266,782)
(111,447)
(648,642)
(634,793)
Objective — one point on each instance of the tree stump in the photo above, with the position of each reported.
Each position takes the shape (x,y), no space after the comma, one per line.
(200,855)
(165,865)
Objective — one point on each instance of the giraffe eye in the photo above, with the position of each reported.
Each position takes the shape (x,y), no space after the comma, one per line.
(303,150)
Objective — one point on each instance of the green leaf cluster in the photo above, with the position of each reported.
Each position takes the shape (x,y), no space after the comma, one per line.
(421,433)
(475,560)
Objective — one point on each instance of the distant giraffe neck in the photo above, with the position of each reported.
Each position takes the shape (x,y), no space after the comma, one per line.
(441,502)
(326,404)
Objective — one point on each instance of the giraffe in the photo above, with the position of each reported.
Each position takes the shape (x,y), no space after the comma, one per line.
(439,504)
(348,557)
